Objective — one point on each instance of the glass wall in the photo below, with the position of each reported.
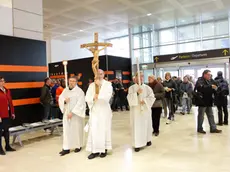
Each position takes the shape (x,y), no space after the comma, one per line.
(187,35)
(142,37)
(170,37)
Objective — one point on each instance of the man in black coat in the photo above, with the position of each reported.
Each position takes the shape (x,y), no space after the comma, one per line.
(46,99)
(206,88)
(170,94)
(221,100)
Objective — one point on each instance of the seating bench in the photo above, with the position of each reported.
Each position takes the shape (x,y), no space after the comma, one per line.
(17,131)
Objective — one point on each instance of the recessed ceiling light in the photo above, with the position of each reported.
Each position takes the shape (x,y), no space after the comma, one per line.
(149,14)
(64,35)
(81,30)
(183,21)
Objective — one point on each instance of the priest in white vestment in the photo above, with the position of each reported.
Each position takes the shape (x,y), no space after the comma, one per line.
(72,105)
(141,99)
(99,138)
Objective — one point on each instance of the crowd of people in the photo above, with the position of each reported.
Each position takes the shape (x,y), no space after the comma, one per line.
(204,93)
(50,93)
(146,103)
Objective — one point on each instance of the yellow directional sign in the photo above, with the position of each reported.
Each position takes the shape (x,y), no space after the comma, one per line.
(225,52)
(156,59)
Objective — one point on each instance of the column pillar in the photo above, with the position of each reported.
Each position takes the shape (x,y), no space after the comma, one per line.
(27,19)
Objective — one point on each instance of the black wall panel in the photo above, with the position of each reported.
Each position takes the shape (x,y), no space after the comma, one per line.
(25,93)
(28,114)
(110,63)
(23,76)
(119,63)
(23,52)
(20,51)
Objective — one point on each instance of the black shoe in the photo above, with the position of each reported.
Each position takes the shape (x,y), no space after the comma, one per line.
(137,149)
(157,134)
(182,113)
(149,143)
(2,152)
(61,151)
(201,132)
(225,123)
(64,152)
(216,131)
(10,149)
(93,155)
(103,155)
(219,124)
(77,150)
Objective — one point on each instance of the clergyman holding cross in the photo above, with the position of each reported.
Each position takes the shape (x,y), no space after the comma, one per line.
(99,138)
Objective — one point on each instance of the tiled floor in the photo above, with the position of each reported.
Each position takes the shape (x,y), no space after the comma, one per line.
(178,149)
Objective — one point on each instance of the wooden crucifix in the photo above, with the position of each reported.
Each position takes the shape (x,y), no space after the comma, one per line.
(94,48)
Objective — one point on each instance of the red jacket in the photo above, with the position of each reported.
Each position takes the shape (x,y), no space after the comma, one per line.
(5,99)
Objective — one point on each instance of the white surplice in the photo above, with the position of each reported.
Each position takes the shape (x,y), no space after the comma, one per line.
(140,115)
(99,137)
(73,128)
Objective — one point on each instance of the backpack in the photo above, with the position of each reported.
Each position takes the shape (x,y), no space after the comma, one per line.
(223,87)
(197,97)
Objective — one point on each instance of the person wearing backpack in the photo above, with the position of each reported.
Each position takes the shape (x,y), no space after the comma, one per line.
(221,99)
(205,88)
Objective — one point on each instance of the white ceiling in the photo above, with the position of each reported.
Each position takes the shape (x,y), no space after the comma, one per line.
(70,19)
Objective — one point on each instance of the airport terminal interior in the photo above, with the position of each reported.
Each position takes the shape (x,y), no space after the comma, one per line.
(181,47)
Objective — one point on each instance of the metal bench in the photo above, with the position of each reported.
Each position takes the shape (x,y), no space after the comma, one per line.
(17,131)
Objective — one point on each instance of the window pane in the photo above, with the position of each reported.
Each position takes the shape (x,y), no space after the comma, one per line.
(148,56)
(167,36)
(136,29)
(136,41)
(145,55)
(146,39)
(189,47)
(156,51)
(168,49)
(147,28)
(208,45)
(222,27)
(208,29)
(155,38)
(190,72)
(222,43)
(136,53)
(188,32)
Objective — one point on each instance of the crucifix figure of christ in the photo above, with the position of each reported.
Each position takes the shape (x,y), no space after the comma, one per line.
(94,48)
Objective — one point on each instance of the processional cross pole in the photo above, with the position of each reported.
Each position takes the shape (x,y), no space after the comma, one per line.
(94,48)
